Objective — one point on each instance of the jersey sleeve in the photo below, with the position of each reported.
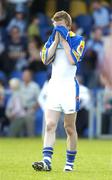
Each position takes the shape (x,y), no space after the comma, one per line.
(44,56)
(77,48)
(44,51)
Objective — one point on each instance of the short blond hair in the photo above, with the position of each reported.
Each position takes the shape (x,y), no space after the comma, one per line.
(63,15)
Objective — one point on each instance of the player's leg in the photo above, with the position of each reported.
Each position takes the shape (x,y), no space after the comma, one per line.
(70,128)
(51,118)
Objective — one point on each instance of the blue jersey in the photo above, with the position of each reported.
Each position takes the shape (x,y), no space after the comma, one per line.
(76,43)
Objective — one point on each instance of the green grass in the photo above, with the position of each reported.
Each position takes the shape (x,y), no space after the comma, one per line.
(93,162)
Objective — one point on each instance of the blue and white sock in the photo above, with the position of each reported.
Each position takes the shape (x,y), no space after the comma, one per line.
(70,157)
(47,154)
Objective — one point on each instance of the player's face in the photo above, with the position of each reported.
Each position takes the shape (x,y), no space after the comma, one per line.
(59,23)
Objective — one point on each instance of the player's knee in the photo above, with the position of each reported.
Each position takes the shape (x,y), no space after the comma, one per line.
(50,126)
(69,130)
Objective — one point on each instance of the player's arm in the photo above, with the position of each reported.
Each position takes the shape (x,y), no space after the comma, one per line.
(74,55)
(67,50)
(49,54)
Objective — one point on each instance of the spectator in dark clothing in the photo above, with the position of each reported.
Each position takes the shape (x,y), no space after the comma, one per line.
(95,44)
(2,45)
(93,58)
(3,119)
(2,39)
(16,51)
(107,113)
(85,104)
(2,10)
(38,6)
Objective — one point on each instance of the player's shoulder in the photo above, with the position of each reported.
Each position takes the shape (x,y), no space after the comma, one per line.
(76,40)
(75,36)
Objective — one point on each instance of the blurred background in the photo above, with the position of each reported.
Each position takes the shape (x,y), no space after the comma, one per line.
(25,25)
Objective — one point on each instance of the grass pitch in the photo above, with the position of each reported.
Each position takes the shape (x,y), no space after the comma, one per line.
(93,162)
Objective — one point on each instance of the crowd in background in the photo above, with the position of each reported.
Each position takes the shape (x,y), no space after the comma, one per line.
(24,28)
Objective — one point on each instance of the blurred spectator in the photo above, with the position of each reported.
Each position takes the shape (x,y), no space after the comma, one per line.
(22,105)
(96,44)
(16,50)
(110,9)
(76,29)
(18,20)
(84,22)
(106,69)
(85,105)
(100,15)
(14,110)
(107,113)
(3,79)
(45,26)
(2,10)
(3,119)
(13,4)
(109,30)
(2,29)
(2,38)
(93,58)
(34,47)
(38,6)
(33,29)
(29,93)
(19,1)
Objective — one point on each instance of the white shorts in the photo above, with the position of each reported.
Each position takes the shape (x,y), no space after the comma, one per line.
(63,96)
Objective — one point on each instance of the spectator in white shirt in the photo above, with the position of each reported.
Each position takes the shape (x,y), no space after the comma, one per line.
(14,109)
(22,106)
(29,93)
